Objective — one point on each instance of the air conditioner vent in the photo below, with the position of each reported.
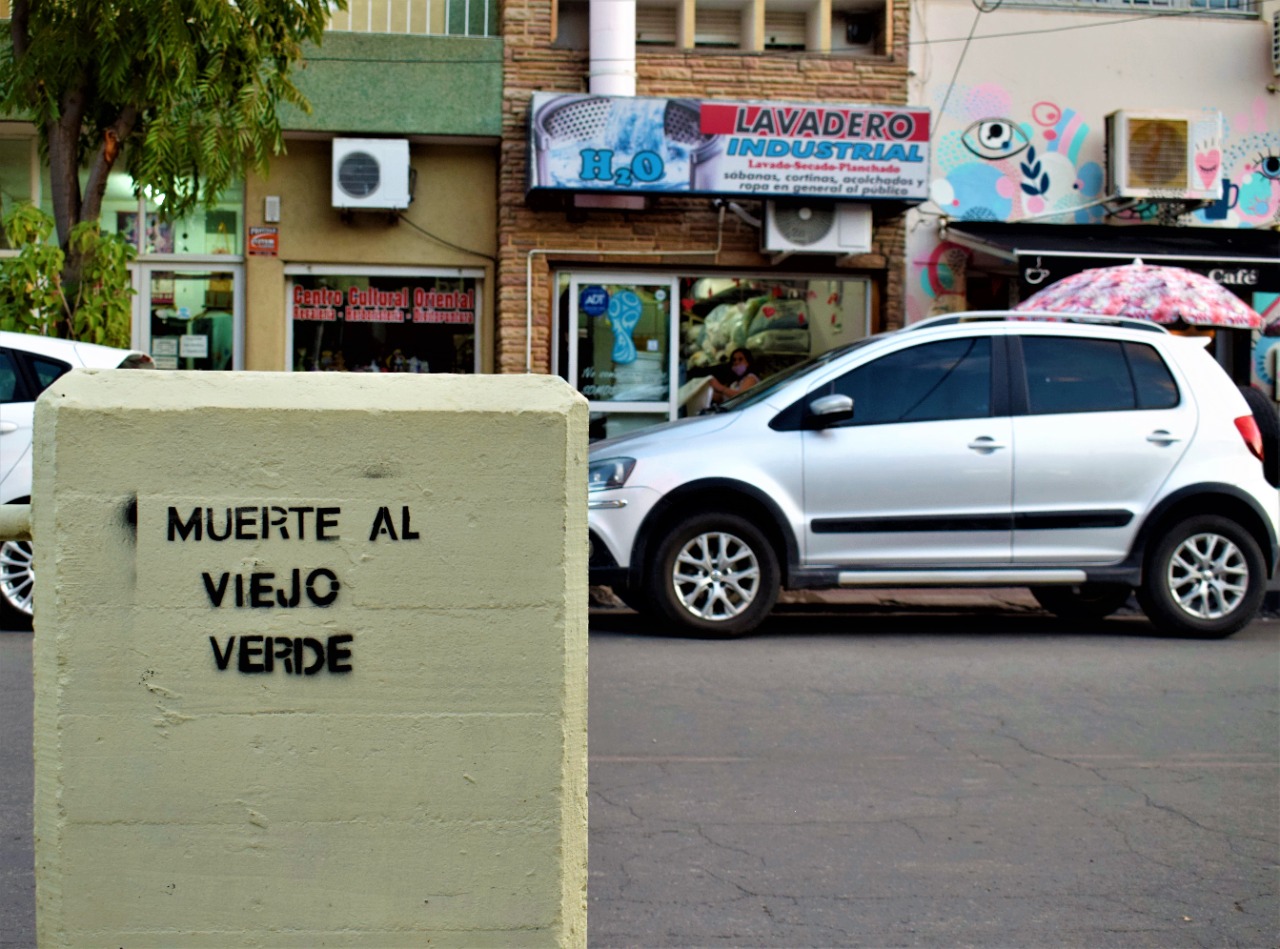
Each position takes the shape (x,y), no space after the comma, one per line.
(1165,155)
(358,174)
(817,227)
(371,173)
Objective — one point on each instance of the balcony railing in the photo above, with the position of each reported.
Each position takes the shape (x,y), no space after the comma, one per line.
(417,17)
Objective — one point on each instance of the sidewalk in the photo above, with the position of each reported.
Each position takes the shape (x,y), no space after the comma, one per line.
(916,600)
(895,599)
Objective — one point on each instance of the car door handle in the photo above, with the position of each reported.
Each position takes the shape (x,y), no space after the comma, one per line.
(7,427)
(986,444)
(1161,437)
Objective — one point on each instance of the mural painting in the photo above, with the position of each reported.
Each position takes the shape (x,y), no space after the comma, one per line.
(999,163)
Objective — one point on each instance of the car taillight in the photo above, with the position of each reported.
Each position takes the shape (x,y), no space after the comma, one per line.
(1247,425)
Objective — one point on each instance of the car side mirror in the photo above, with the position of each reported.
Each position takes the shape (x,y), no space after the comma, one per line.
(829,410)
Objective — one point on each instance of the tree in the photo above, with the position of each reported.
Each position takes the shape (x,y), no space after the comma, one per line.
(183,92)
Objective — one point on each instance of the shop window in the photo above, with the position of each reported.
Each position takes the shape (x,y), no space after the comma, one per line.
(391,322)
(203,232)
(190,317)
(651,363)
(780,321)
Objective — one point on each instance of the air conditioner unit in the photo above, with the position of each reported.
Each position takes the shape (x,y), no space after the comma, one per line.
(371,173)
(1165,155)
(816,227)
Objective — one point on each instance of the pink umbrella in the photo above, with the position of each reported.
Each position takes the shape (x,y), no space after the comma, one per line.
(1143,292)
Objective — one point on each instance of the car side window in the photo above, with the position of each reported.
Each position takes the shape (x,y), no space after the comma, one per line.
(1151,377)
(47,370)
(8,378)
(949,379)
(1094,375)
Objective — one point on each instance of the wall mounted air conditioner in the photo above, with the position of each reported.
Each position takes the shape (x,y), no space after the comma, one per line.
(371,173)
(1165,155)
(816,227)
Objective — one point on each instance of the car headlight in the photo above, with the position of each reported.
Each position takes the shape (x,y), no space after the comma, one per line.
(609,473)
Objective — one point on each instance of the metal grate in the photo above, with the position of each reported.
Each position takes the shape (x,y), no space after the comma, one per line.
(359,175)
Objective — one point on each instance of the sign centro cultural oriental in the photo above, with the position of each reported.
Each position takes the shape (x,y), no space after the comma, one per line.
(765,149)
(406,304)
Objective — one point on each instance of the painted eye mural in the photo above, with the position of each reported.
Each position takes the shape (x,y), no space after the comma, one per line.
(1268,166)
(993,139)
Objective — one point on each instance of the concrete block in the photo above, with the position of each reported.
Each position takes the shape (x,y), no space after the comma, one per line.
(310,660)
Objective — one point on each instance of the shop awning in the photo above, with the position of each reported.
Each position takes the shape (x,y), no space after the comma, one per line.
(1096,240)
(1246,262)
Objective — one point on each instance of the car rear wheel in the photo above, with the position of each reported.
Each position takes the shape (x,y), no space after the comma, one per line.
(715,575)
(17,584)
(1085,601)
(1205,577)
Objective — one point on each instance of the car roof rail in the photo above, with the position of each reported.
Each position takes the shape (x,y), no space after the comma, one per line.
(1037,316)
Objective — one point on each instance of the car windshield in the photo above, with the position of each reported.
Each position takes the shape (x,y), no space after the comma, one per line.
(763,389)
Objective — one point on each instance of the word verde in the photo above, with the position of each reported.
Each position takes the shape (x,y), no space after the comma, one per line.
(291,588)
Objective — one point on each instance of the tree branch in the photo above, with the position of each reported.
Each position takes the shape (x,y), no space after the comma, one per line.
(104,158)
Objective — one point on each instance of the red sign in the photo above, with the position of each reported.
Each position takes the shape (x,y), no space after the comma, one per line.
(264,241)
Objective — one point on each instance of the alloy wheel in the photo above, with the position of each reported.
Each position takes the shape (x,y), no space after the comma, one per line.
(1208,576)
(17,577)
(716,576)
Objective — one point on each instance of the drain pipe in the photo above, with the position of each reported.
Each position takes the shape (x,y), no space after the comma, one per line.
(597,252)
(612,69)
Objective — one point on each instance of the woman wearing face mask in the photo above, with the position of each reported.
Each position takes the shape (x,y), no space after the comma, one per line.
(744,376)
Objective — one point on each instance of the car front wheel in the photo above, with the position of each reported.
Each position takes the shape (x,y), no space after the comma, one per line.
(715,575)
(1205,577)
(17,583)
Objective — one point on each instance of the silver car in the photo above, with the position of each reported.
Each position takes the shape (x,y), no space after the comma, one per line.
(1085,458)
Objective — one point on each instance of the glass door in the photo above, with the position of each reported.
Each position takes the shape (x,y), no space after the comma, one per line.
(620,353)
(192,316)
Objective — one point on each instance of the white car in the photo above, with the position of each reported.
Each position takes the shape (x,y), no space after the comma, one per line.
(1086,458)
(28,365)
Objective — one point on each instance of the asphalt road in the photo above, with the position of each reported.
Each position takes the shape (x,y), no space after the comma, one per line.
(854,778)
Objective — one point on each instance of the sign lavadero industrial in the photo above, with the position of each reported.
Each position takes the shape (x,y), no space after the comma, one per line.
(623,144)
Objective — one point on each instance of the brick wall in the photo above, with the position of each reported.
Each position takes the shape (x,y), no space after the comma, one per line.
(534,242)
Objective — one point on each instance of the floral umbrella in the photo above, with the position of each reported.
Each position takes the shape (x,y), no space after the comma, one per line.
(1144,292)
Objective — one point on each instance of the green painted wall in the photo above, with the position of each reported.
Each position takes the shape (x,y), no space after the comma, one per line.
(401,85)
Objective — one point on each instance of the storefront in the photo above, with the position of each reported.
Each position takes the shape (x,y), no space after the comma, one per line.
(638,344)
(820,188)
(188,276)
(382,319)
(334,288)
(1012,261)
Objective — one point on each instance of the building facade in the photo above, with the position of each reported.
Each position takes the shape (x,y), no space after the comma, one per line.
(630,262)
(1071,135)
(371,244)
